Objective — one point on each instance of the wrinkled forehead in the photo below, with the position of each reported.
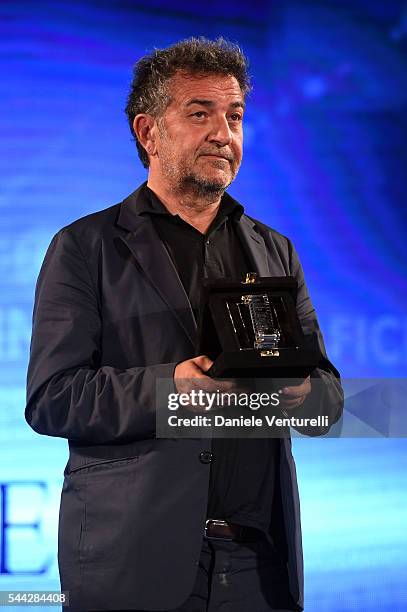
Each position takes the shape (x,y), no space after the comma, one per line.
(219,88)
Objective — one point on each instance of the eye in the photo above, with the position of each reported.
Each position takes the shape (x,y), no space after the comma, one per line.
(236,117)
(199,114)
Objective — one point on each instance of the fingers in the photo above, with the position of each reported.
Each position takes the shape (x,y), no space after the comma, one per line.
(191,375)
(293,397)
(203,362)
(195,371)
(193,368)
(297,391)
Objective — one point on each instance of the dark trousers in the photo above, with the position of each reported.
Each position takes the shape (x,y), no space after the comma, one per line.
(239,577)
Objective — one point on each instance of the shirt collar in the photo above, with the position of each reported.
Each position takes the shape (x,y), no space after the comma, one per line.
(229,208)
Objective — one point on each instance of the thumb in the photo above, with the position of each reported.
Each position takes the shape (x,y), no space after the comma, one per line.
(203,362)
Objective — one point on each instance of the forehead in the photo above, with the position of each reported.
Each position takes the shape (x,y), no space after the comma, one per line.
(218,88)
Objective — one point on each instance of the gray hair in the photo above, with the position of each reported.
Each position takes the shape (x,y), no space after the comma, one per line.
(149,91)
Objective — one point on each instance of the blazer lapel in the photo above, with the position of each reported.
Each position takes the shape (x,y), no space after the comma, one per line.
(145,245)
(254,245)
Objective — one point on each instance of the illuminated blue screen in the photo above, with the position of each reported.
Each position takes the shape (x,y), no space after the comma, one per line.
(325,163)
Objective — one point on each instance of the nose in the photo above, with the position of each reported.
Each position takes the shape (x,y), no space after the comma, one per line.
(220,132)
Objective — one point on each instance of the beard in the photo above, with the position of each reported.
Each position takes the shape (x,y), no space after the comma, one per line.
(203,187)
(186,179)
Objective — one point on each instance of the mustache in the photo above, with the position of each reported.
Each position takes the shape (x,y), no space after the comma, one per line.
(225,154)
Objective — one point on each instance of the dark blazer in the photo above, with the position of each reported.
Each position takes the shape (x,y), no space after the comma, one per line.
(110,318)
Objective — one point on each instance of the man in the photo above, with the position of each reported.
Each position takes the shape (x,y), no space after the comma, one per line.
(116,307)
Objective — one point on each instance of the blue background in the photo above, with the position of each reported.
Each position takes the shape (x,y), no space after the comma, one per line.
(325,163)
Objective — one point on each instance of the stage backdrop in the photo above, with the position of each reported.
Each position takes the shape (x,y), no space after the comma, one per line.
(325,163)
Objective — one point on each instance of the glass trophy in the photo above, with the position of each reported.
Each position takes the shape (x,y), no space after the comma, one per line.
(250,328)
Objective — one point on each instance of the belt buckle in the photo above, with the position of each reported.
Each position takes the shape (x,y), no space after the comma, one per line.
(215,522)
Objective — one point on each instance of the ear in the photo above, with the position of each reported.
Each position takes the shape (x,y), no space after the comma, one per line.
(144,127)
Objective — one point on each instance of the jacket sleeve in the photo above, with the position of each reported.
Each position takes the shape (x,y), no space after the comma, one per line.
(326,397)
(68,394)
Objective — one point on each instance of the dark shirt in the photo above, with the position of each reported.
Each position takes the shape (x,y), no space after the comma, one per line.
(243,470)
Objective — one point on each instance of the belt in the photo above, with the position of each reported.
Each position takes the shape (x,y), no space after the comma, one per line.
(217,529)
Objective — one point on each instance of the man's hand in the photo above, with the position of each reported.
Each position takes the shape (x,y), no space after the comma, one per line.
(190,376)
(191,369)
(292,397)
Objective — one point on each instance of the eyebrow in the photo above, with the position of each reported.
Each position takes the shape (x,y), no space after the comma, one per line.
(209,103)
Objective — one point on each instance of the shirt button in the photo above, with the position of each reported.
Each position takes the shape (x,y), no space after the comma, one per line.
(205,457)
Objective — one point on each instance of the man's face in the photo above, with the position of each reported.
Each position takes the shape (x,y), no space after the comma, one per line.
(200,135)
